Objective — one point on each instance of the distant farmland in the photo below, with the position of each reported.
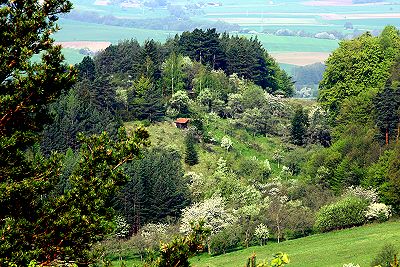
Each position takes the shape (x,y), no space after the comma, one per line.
(260,17)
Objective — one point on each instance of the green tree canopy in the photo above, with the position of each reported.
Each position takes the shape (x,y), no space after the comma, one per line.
(358,65)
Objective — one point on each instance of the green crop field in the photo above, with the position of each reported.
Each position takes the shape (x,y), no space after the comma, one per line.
(83,31)
(252,15)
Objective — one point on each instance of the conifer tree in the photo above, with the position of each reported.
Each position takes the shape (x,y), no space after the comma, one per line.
(37,221)
(191,156)
(299,127)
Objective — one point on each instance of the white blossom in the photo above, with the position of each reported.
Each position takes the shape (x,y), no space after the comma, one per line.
(212,211)
(378,211)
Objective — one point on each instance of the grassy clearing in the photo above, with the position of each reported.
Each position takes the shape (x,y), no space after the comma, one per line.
(357,245)
(245,145)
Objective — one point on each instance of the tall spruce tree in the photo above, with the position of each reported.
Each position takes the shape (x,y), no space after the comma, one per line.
(387,106)
(191,157)
(299,126)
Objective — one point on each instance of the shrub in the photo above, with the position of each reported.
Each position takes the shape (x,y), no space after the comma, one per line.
(370,195)
(225,240)
(385,256)
(262,233)
(378,212)
(226,143)
(345,213)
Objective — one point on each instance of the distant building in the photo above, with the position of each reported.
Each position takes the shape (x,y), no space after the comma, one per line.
(182,123)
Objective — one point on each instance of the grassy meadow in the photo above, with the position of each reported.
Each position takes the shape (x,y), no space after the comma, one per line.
(357,245)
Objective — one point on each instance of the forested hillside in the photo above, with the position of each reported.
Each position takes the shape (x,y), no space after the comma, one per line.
(94,166)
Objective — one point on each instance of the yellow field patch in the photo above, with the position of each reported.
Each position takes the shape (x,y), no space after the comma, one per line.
(300,58)
(92,46)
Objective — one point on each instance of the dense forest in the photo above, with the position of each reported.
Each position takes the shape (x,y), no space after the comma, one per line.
(90,153)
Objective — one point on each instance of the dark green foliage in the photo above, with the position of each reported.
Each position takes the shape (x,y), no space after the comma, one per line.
(203,46)
(156,188)
(387,106)
(145,100)
(125,57)
(345,213)
(225,240)
(25,89)
(75,112)
(86,69)
(191,157)
(299,127)
(385,256)
(51,208)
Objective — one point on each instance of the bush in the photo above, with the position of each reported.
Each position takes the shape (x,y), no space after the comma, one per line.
(385,256)
(225,240)
(378,212)
(345,213)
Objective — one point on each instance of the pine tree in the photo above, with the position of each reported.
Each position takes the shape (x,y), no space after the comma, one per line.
(191,156)
(38,221)
(299,127)
(387,106)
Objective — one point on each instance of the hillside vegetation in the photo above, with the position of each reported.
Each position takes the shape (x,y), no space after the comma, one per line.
(83,182)
(358,245)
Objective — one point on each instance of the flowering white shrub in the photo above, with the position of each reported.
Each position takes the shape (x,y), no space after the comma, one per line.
(152,229)
(262,233)
(378,211)
(212,211)
(226,142)
(368,194)
(196,183)
(122,227)
(267,166)
(351,265)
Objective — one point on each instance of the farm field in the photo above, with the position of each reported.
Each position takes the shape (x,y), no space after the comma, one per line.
(95,37)
(260,18)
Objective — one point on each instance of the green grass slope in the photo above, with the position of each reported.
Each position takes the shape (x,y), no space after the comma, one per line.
(357,245)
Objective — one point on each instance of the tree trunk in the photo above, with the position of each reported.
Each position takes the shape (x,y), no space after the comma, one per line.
(387,135)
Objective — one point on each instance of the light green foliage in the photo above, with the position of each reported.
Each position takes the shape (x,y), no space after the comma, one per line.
(179,103)
(357,66)
(178,251)
(347,212)
(279,260)
(173,75)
